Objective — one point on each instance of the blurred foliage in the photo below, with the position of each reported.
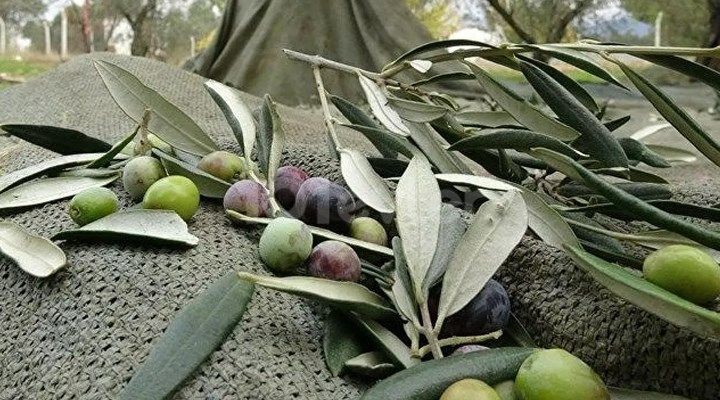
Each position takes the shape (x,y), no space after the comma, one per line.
(439,16)
(17,11)
(685,23)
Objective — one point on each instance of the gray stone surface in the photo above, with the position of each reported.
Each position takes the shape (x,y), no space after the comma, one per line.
(81,333)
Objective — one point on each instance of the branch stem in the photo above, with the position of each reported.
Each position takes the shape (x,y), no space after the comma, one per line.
(640,239)
(431,337)
(329,120)
(460,341)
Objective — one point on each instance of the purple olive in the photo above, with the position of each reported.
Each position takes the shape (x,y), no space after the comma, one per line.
(487,312)
(247,197)
(287,183)
(334,260)
(321,202)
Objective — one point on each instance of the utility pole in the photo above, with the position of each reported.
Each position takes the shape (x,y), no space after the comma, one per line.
(48,46)
(2,36)
(658,29)
(63,35)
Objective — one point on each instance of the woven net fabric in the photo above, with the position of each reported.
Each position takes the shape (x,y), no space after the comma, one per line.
(81,333)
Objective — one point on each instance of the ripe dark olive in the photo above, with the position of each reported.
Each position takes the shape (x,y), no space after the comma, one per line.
(321,202)
(334,260)
(288,180)
(487,312)
(247,197)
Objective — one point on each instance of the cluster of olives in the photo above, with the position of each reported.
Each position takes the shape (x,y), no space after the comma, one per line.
(551,374)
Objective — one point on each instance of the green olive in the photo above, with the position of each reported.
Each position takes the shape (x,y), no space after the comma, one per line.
(176,193)
(285,244)
(368,230)
(558,375)
(470,389)
(506,390)
(92,204)
(686,271)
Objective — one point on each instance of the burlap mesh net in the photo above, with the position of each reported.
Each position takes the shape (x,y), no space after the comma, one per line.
(81,333)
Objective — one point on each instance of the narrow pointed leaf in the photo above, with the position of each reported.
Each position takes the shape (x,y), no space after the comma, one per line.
(617,123)
(271,141)
(387,143)
(486,119)
(358,245)
(636,150)
(341,342)
(675,115)
(451,76)
(386,341)
(686,67)
(353,113)
(379,105)
(579,61)
(521,110)
(208,185)
(568,83)
(388,167)
(60,140)
(671,206)
(648,296)
(421,66)
(168,122)
(481,182)
(237,114)
(452,229)
(106,159)
(33,254)
(435,46)
(197,331)
(364,182)
(596,139)
(44,168)
(418,219)
(547,223)
(415,111)
(494,232)
(673,154)
(402,289)
(628,202)
(347,296)
(426,140)
(46,190)
(372,364)
(140,226)
(516,139)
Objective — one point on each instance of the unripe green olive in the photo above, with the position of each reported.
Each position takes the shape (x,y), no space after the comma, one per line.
(685,271)
(469,389)
(285,244)
(558,375)
(368,230)
(176,193)
(92,204)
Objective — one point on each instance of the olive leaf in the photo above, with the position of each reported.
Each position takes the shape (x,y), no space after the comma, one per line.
(496,229)
(45,190)
(628,202)
(372,364)
(192,336)
(237,114)
(364,182)
(386,341)
(378,102)
(358,245)
(341,342)
(452,229)
(353,113)
(347,296)
(481,182)
(547,223)
(565,81)
(486,119)
(105,159)
(388,167)
(675,115)
(168,122)
(595,138)
(271,141)
(517,139)
(673,154)
(45,168)
(140,226)
(636,150)
(60,140)
(208,185)
(434,46)
(415,111)
(671,206)
(425,137)
(649,130)
(521,110)
(450,76)
(387,143)
(648,296)
(617,123)
(418,219)
(686,67)
(402,287)
(641,190)
(33,254)
(578,60)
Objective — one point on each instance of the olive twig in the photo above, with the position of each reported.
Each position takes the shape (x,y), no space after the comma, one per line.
(640,239)
(427,330)
(329,120)
(461,340)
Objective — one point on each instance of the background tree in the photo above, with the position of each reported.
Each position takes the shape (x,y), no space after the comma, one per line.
(141,15)
(18,11)
(685,23)
(439,16)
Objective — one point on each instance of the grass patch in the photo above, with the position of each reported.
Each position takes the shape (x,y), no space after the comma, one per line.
(24,67)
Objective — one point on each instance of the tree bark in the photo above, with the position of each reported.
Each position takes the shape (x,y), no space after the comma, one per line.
(141,25)
(508,18)
(87,28)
